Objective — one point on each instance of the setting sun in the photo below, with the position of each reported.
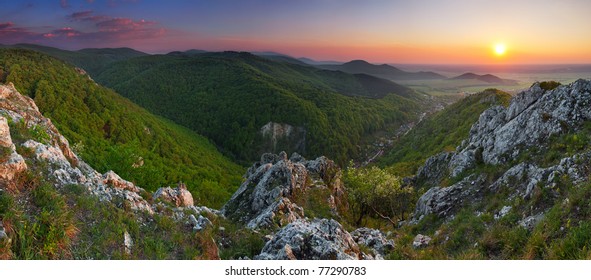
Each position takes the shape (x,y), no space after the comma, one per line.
(500,49)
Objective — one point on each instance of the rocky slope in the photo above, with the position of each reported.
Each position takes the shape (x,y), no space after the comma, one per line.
(524,161)
(293,204)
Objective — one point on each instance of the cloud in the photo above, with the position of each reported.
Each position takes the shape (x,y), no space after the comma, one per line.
(86,16)
(123,24)
(11,34)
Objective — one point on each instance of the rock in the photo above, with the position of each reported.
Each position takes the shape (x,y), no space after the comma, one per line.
(443,202)
(179,196)
(5,139)
(199,223)
(281,136)
(373,239)
(421,241)
(434,169)
(532,117)
(127,243)
(3,235)
(311,240)
(531,221)
(11,163)
(112,179)
(504,211)
(266,198)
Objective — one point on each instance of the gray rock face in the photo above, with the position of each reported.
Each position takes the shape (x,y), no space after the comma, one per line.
(11,163)
(266,198)
(199,223)
(421,241)
(532,117)
(373,239)
(444,201)
(311,240)
(281,136)
(500,135)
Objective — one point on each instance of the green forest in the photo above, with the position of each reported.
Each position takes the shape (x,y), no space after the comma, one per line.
(111,133)
(229,96)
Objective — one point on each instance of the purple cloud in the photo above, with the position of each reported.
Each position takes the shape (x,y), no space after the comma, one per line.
(86,16)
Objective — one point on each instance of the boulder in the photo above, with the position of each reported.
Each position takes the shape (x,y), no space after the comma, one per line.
(319,239)
(373,239)
(179,196)
(421,241)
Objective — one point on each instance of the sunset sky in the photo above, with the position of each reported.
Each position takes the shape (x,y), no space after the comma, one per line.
(385,31)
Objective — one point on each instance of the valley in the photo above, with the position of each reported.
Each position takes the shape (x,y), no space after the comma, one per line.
(447,168)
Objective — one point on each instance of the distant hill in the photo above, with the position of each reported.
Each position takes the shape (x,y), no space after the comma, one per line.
(383,71)
(91,60)
(488,78)
(231,96)
(310,61)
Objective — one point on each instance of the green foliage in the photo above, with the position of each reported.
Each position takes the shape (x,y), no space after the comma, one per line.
(229,96)
(549,85)
(115,133)
(441,132)
(4,153)
(375,191)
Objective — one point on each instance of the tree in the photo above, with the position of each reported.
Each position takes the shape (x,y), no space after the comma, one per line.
(376,192)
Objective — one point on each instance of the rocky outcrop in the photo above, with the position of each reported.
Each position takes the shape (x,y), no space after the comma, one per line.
(421,241)
(375,240)
(532,117)
(443,201)
(500,136)
(60,163)
(311,240)
(267,196)
(11,163)
(282,137)
(179,196)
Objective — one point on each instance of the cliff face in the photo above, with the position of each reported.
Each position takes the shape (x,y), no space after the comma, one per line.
(521,149)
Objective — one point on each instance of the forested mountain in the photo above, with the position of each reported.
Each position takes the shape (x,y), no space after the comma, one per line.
(91,60)
(383,71)
(110,132)
(230,96)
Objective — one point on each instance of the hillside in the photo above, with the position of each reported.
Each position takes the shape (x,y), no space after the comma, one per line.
(440,132)
(229,97)
(517,187)
(383,71)
(91,60)
(53,205)
(112,133)
(487,78)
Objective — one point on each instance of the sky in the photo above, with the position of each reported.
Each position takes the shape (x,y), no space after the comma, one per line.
(379,31)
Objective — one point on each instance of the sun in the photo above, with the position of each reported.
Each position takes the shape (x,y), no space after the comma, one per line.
(500,49)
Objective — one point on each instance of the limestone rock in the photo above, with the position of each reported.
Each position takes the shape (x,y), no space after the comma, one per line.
(373,239)
(421,241)
(503,212)
(179,196)
(112,179)
(199,223)
(311,240)
(127,242)
(266,198)
(445,201)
